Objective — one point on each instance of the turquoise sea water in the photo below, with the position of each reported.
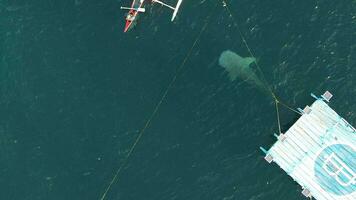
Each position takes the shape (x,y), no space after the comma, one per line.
(75,90)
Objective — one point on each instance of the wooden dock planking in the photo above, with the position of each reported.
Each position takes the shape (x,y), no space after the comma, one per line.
(318,152)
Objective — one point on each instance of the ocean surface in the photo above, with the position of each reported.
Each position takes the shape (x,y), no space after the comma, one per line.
(75,91)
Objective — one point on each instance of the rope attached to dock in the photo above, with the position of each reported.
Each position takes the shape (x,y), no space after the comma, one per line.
(266,85)
(116,176)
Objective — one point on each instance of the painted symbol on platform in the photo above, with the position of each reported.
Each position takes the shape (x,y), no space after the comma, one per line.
(335,169)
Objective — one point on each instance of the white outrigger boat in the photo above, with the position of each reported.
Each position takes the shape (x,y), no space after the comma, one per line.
(137,7)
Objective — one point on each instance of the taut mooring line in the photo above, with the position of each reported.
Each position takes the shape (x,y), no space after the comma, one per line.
(248,47)
(267,86)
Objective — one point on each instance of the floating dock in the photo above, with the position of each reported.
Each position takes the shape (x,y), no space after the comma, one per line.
(318,151)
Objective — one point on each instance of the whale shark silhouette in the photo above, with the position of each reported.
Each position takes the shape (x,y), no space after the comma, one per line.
(239,67)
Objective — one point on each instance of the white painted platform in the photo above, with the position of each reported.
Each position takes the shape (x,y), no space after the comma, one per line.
(319,153)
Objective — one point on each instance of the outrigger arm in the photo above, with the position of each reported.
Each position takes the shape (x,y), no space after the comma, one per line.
(175,9)
(135,9)
(163,4)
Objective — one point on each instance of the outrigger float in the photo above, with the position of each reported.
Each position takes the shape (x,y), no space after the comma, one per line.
(137,7)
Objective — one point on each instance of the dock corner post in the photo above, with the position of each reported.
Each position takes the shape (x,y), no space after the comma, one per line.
(268,157)
(306,193)
(327,96)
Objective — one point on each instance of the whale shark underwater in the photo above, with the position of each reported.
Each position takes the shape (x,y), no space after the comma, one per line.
(239,67)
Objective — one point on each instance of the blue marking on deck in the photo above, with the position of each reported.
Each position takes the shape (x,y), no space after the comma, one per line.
(335,169)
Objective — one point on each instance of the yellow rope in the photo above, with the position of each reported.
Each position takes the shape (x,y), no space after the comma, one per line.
(148,122)
(266,85)
(289,108)
(248,48)
(278,120)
